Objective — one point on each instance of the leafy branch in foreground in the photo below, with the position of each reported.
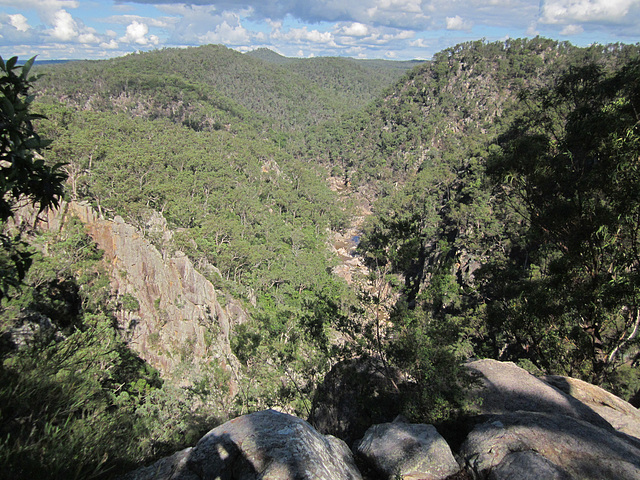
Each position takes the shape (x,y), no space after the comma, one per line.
(23,172)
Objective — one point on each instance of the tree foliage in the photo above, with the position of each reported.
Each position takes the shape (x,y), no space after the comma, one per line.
(23,172)
(533,259)
(234,197)
(213,87)
(76,401)
(572,162)
(504,225)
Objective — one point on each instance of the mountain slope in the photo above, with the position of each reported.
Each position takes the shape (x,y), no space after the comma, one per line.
(213,84)
(468,245)
(203,138)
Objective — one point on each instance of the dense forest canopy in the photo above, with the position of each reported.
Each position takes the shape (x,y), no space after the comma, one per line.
(506,224)
(213,86)
(502,180)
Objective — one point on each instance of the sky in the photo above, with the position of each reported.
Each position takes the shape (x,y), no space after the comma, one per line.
(390,29)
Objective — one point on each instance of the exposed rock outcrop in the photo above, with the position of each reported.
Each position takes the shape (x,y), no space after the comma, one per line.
(262,445)
(180,316)
(527,465)
(509,388)
(527,429)
(561,428)
(569,447)
(406,450)
(622,416)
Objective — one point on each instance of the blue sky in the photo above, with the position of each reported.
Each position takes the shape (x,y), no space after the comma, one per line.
(394,29)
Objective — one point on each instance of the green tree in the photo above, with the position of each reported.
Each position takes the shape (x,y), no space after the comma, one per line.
(23,172)
(572,301)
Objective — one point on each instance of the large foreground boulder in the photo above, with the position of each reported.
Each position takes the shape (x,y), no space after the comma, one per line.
(505,388)
(406,450)
(549,446)
(622,416)
(265,445)
(525,428)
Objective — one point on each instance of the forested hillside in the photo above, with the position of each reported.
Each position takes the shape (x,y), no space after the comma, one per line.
(505,176)
(503,180)
(213,86)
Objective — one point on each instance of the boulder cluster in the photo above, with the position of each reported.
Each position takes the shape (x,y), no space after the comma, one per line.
(525,427)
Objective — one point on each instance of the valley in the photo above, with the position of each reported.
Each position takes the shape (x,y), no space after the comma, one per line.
(233,226)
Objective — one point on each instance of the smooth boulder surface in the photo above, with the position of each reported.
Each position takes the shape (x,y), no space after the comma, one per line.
(527,465)
(622,416)
(525,429)
(265,445)
(403,449)
(509,388)
(570,448)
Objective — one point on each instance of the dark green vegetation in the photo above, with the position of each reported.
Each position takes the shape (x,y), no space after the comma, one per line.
(22,174)
(504,180)
(213,87)
(570,166)
(514,218)
(76,401)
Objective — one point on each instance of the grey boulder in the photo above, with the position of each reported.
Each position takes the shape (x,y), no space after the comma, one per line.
(265,445)
(527,465)
(407,450)
(622,416)
(564,448)
(508,388)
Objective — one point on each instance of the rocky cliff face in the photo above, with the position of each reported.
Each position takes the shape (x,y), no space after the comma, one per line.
(179,317)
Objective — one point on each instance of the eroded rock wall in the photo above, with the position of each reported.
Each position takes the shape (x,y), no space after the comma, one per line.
(182,319)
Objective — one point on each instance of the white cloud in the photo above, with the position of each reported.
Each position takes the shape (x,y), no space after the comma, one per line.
(111,45)
(355,29)
(51,12)
(89,37)
(303,34)
(186,9)
(412,6)
(532,30)
(395,13)
(401,35)
(420,43)
(41,4)
(19,22)
(571,30)
(569,11)
(457,23)
(137,33)
(193,24)
(58,25)
(160,22)
(65,27)
(274,24)
(363,28)
(356,34)
(227,34)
